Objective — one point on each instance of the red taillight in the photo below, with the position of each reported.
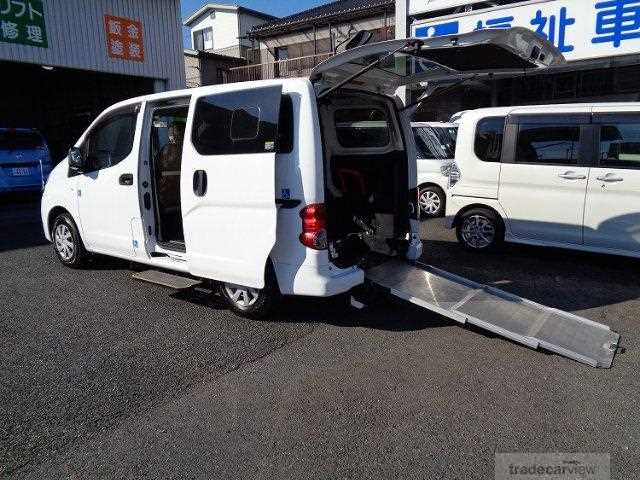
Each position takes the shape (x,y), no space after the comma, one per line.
(314,226)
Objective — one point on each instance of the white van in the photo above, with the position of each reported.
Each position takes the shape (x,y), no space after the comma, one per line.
(554,175)
(273,187)
(435,147)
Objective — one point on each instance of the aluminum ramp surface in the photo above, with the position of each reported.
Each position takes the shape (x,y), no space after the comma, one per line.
(510,316)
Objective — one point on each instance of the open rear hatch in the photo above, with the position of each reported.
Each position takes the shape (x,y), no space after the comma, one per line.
(384,67)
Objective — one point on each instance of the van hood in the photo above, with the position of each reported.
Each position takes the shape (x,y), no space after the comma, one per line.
(384,67)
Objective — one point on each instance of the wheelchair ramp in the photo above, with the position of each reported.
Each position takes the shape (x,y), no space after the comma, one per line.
(502,313)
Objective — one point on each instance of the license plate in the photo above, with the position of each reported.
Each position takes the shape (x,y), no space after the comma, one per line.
(21,172)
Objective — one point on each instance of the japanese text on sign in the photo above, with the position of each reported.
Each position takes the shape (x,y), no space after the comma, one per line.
(22,21)
(124,38)
(579,28)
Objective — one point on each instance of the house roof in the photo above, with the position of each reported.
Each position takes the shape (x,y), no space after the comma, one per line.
(216,56)
(341,10)
(222,6)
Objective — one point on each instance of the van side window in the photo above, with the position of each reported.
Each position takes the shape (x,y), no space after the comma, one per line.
(552,144)
(362,128)
(236,123)
(111,141)
(285,125)
(620,144)
(489,137)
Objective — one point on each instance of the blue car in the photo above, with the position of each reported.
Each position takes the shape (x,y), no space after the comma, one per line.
(25,162)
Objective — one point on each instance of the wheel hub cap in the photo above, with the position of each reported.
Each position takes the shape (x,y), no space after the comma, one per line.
(242,296)
(430,202)
(478,231)
(64,242)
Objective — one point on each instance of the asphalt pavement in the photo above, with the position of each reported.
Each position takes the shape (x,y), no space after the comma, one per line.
(105,377)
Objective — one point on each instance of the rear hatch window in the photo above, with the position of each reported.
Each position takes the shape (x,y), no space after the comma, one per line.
(16,140)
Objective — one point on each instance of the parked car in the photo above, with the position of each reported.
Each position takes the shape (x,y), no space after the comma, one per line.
(554,175)
(287,186)
(25,162)
(436,146)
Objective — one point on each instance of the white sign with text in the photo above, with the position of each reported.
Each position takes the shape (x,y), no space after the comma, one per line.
(581,29)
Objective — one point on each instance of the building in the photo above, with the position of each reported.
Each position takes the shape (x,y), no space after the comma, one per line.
(223,29)
(207,68)
(64,61)
(600,40)
(293,45)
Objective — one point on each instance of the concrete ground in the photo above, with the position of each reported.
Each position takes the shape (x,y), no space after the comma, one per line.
(105,377)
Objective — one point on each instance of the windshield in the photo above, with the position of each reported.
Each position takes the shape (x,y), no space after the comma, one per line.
(19,140)
(435,143)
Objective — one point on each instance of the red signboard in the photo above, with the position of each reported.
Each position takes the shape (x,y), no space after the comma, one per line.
(124,38)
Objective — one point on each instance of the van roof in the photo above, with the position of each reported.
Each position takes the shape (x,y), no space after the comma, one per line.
(211,89)
(555,108)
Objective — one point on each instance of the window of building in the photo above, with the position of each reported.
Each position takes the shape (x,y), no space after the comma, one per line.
(282,53)
(237,122)
(362,128)
(203,39)
(620,144)
(489,137)
(110,142)
(548,144)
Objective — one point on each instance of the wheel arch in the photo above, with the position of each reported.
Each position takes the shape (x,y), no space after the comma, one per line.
(473,206)
(53,213)
(59,210)
(432,184)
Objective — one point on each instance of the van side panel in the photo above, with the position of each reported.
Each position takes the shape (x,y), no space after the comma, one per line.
(59,193)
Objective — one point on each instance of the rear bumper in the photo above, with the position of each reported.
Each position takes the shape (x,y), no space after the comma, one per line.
(31,183)
(316,281)
(4,188)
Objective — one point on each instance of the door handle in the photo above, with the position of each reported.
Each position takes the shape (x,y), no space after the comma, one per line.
(126,179)
(199,183)
(610,177)
(570,175)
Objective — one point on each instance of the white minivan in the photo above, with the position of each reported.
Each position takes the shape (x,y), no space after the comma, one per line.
(289,186)
(554,175)
(435,147)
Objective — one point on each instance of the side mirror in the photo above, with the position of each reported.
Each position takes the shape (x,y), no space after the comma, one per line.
(76,160)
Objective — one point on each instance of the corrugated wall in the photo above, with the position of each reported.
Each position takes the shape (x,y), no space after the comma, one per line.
(77,38)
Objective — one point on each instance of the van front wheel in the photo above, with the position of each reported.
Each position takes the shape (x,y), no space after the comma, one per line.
(246,301)
(67,242)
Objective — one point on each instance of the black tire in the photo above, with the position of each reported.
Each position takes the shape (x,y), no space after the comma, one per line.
(480,230)
(67,242)
(434,206)
(250,302)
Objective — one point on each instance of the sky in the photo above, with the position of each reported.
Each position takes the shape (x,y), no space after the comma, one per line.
(279,8)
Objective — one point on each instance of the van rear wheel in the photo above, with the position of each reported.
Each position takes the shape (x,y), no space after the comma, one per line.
(432,201)
(480,230)
(249,302)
